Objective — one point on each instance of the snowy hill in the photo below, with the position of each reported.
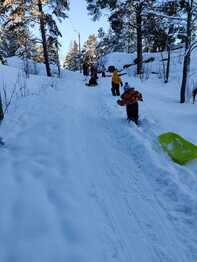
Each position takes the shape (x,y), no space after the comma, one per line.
(155,69)
(78,183)
(161,103)
(29,65)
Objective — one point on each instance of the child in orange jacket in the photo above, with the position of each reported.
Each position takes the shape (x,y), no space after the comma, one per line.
(130,98)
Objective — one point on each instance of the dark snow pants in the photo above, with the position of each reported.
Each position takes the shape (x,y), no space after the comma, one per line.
(132,112)
(115,89)
(92,82)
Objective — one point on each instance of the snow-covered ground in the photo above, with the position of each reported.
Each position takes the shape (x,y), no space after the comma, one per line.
(78,183)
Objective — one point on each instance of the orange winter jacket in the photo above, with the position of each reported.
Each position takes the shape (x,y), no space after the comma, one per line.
(129,97)
(116,78)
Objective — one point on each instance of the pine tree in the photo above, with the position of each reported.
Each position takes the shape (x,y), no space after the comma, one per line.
(3,48)
(72,61)
(12,20)
(166,29)
(53,47)
(103,46)
(55,9)
(190,9)
(89,50)
(42,22)
(187,33)
(38,53)
(42,12)
(133,11)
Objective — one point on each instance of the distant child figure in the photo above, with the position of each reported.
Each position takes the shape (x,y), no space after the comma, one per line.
(93,71)
(130,98)
(85,70)
(93,77)
(92,81)
(116,82)
(103,69)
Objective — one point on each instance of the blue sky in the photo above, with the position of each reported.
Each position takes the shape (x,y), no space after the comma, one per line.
(78,21)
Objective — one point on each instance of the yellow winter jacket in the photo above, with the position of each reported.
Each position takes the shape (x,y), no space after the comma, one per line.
(116,78)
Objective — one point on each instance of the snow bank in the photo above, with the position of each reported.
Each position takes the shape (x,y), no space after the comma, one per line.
(155,69)
(33,67)
(161,101)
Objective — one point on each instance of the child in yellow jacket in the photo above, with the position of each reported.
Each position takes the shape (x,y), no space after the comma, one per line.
(116,82)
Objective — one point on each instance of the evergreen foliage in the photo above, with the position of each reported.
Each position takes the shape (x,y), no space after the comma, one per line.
(18,16)
(72,61)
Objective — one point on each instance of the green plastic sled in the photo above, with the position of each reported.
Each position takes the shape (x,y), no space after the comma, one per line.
(179,149)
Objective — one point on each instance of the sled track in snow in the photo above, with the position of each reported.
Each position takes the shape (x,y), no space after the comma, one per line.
(176,203)
(97,188)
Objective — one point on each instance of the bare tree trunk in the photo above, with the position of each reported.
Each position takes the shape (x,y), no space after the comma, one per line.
(185,78)
(44,41)
(58,65)
(186,63)
(163,66)
(168,65)
(139,38)
(168,46)
(1,110)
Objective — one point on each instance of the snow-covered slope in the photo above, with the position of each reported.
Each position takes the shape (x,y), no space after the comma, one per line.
(30,66)
(155,69)
(78,183)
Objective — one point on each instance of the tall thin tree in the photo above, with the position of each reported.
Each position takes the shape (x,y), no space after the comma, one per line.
(44,39)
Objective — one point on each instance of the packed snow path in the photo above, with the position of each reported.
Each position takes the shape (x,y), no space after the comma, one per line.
(79,184)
